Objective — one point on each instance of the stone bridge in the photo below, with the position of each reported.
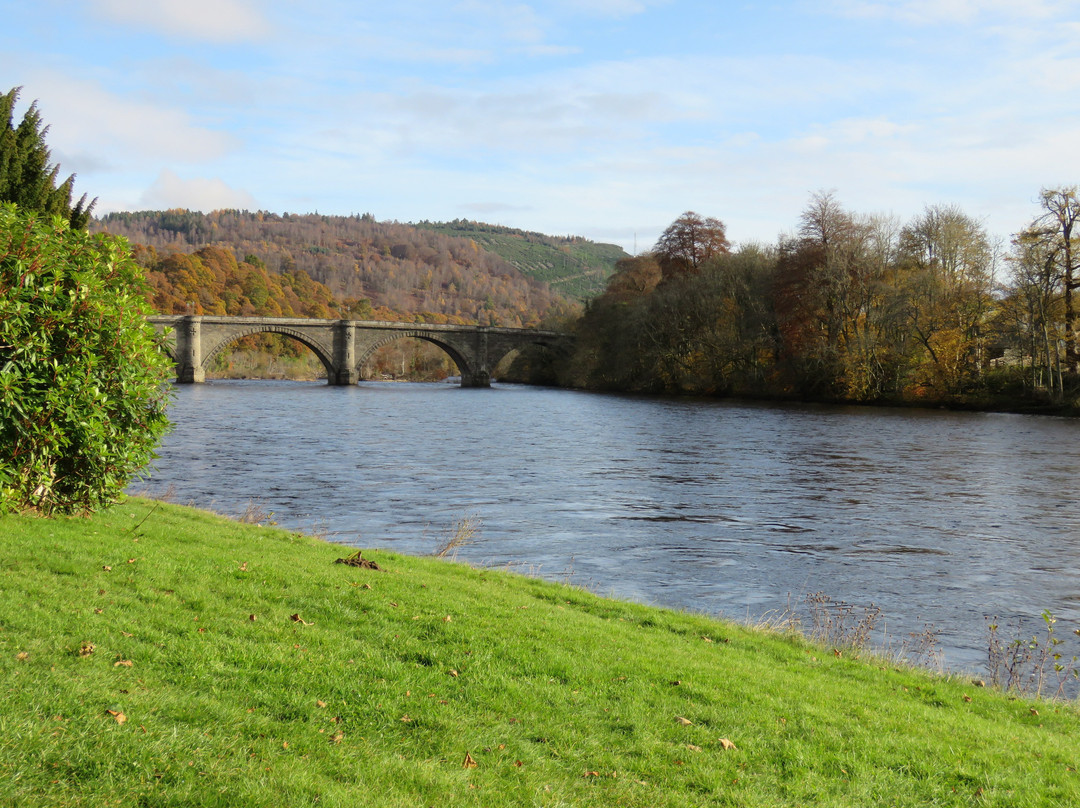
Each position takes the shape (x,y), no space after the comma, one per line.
(343,345)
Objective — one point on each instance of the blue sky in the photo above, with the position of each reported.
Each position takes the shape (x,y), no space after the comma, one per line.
(601,118)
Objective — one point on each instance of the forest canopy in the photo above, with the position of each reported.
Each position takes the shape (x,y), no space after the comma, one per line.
(849,307)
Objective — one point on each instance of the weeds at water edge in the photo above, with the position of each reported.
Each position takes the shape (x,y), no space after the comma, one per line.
(1030,666)
(849,627)
(463,534)
(255,514)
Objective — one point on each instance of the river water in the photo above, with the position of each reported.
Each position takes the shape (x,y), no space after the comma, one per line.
(727,508)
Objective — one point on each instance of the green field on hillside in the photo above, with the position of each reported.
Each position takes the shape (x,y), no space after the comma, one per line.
(573,266)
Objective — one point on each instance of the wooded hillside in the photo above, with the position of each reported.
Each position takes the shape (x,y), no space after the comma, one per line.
(240,262)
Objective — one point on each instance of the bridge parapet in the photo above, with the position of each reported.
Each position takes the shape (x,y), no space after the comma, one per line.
(344,345)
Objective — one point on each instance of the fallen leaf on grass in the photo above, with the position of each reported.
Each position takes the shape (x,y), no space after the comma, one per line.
(296,618)
(726,744)
(693,748)
(107,568)
(319,703)
(252,618)
(22,656)
(1034,711)
(469,763)
(405,719)
(337,737)
(453,672)
(447,619)
(123,663)
(591,774)
(243,567)
(119,716)
(966,697)
(686,722)
(86,649)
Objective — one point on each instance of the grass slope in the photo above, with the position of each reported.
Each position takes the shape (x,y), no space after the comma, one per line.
(251,670)
(574,267)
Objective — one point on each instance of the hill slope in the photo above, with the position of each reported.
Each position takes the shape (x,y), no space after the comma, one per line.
(396,267)
(576,267)
(159,656)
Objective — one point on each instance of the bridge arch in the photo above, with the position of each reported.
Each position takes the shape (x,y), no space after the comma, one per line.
(342,346)
(232,335)
(463,365)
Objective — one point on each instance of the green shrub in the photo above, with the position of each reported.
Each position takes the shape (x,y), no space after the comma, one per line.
(82,373)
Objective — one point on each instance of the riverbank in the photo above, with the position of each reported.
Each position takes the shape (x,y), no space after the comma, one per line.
(158,655)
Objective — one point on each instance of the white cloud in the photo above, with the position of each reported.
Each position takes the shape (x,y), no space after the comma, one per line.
(930,12)
(89,123)
(517,22)
(610,8)
(198,193)
(210,20)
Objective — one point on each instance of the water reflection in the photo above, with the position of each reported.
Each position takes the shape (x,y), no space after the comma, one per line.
(726,508)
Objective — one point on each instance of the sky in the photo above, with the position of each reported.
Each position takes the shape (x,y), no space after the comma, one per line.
(600,118)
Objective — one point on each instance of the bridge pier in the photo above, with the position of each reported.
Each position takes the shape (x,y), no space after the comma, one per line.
(477,374)
(344,371)
(189,366)
(478,378)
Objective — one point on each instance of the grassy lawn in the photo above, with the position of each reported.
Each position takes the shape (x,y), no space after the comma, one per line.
(155,655)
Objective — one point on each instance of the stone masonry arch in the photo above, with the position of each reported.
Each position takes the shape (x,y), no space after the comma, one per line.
(342,345)
(228,338)
(378,340)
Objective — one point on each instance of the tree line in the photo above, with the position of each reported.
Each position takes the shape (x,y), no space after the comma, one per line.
(850,307)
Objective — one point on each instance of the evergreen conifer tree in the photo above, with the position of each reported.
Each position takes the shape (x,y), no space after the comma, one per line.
(26,177)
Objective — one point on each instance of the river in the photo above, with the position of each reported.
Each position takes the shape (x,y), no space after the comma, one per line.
(735,509)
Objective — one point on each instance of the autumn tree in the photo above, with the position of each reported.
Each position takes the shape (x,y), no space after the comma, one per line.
(715,332)
(26,176)
(1031,307)
(813,286)
(947,261)
(688,243)
(634,277)
(1058,224)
